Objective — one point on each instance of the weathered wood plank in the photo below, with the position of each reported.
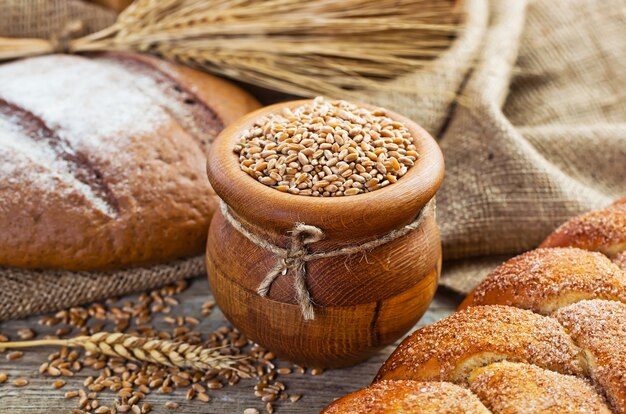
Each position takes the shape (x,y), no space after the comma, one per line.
(39,397)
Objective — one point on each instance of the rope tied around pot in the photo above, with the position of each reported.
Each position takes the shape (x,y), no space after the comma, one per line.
(296,255)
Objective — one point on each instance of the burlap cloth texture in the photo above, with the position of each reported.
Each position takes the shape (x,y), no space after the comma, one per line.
(537,133)
(528,105)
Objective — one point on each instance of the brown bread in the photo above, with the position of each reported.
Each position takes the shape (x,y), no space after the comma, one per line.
(102,160)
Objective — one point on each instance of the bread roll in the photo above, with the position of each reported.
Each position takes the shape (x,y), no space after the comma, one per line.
(102,160)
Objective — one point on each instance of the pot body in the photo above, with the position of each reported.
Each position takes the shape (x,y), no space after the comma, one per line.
(363,302)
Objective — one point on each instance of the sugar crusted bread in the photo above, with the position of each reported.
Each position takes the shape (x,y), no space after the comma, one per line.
(387,397)
(543,333)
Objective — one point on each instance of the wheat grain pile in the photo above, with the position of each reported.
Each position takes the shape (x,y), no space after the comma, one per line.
(327,149)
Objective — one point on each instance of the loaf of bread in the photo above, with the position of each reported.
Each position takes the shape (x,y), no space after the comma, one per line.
(544,333)
(102,160)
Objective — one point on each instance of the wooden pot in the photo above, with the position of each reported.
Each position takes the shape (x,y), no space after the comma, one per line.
(364,301)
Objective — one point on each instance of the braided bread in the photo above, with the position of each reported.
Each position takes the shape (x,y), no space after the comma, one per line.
(543,333)
(547,279)
(409,397)
(600,230)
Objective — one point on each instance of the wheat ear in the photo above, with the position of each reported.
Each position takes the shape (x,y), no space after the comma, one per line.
(309,48)
(135,348)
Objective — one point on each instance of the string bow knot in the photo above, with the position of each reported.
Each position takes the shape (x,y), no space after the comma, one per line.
(296,256)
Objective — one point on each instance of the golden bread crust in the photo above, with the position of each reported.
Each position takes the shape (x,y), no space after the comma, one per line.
(599,328)
(514,388)
(450,349)
(547,279)
(532,323)
(601,230)
(387,397)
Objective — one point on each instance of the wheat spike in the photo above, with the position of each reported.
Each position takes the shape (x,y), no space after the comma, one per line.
(135,348)
(309,48)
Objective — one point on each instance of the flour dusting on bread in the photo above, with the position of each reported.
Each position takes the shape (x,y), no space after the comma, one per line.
(28,161)
(94,106)
(102,160)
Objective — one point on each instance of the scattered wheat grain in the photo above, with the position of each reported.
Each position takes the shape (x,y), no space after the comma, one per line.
(20,382)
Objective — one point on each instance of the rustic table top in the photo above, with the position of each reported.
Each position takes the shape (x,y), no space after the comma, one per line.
(317,391)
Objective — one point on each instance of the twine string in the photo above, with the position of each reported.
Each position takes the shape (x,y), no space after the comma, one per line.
(296,256)
(61,40)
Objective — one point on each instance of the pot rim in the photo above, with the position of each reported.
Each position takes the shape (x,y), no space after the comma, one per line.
(360,215)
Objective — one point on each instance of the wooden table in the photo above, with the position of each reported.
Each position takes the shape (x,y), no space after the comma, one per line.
(317,391)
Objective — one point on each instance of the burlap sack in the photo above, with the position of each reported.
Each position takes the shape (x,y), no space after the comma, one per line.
(45,18)
(26,292)
(539,131)
(529,109)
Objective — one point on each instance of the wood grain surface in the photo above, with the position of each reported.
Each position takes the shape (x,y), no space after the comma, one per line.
(39,397)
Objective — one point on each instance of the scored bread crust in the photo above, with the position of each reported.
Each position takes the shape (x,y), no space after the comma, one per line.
(102,160)
(386,397)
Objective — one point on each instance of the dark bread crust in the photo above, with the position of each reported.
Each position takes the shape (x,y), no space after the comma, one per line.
(153,209)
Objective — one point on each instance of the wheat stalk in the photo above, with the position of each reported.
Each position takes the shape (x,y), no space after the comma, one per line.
(135,348)
(307,48)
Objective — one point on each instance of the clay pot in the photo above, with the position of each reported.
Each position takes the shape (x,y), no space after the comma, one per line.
(364,301)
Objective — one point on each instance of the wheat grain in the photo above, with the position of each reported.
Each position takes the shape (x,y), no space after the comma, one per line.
(20,382)
(12,356)
(327,148)
(25,333)
(58,384)
(138,380)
